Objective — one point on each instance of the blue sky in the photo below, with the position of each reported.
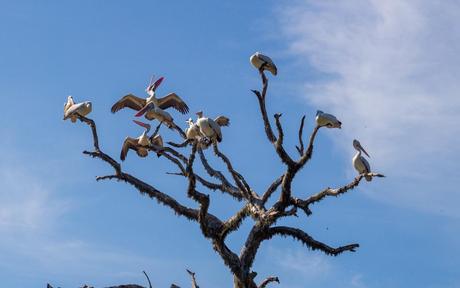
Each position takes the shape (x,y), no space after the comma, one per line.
(388,69)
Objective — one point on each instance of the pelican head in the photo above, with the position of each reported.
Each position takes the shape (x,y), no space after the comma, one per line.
(199,114)
(153,86)
(189,121)
(145,125)
(358,147)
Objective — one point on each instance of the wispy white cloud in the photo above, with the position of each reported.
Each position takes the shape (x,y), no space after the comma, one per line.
(391,74)
(300,265)
(302,262)
(32,217)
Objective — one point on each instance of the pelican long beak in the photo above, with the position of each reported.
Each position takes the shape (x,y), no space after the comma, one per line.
(364,151)
(145,125)
(144,110)
(157,83)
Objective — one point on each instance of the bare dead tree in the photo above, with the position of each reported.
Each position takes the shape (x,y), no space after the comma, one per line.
(253,203)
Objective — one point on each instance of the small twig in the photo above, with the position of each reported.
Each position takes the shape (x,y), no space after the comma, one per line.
(148,279)
(268,280)
(192,274)
(300,148)
(181,145)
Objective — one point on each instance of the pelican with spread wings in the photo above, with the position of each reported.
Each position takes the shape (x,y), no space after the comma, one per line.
(140,144)
(136,103)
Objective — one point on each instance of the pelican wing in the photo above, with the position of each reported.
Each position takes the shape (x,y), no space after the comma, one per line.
(157,141)
(72,110)
(265,58)
(129,143)
(270,66)
(129,101)
(366,164)
(222,121)
(216,128)
(172,100)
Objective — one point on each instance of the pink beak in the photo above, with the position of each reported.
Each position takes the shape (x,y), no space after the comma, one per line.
(143,110)
(158,82)
(145,125)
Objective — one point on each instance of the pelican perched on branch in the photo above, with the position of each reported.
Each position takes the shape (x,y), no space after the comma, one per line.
(263,62)
(169,101)
(72,110)
(327,120)
(141,143)
(193,131)
(211,128)
(359,162)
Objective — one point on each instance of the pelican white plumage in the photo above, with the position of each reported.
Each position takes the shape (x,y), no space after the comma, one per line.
(72,110)
(152,111)
(327,120)
(210,128)
(260,61)
(137,103)
(359,162)
(141,143)
(69,103)
(193,131)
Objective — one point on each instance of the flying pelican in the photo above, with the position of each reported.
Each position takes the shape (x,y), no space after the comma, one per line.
(359,162)
(263,62)
(328,120)
(72,110)
(211,128)
(141,143)
(137,103)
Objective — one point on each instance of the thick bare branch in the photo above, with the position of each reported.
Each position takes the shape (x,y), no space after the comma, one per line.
(267,281)
(309,152)
(234,222)
(307,240)
(304,204)
(272,189)
(201,198)
(263,110)
(279,143)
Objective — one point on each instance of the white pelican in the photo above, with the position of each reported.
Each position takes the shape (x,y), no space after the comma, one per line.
(69,103)
(211,128)
(193,131)
(263,62)
(359,162)
(328,120)
(72,110)
(152,111)
(141,143)
(137,103)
